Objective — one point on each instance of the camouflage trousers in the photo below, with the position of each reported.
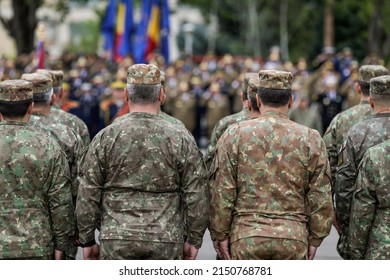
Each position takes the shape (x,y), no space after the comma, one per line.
(343,247)
(262,248)
(140,250)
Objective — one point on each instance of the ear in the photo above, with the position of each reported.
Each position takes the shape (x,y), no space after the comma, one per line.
(126,95)
(258,100)
(372,103)
(164,96)
(358,88)
(161,96)
(291,101)
(30,108)
(249,105)
(53,99)
(242,96)
(1,117)
(61,93)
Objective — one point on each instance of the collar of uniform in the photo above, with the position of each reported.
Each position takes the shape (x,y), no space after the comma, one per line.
(275,114)
(364,102)
(144,115)
(4,122)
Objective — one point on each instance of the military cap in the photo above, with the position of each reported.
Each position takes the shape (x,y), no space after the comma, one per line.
(16,90)
(275,79)
(253,85)
(380,85)
(56,75)
(367,72)
(247,77)
(42,83)
(162,78)
(143,74)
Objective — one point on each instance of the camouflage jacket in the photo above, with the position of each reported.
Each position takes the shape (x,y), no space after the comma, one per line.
(219,129)
(144,178)
(362,136)
(69,141)
(271,178)
(36,207)
(338,129)
(72,121)
(162,114)
(369,233)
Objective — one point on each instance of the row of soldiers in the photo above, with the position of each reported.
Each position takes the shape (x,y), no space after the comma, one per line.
(264,188)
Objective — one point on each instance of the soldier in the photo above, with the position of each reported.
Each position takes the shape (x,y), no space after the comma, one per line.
(271,190)
(142,199)
(60,116)
(342,122)
(369,228)
(36,203)
(224,123)
(70,142)
(362,136)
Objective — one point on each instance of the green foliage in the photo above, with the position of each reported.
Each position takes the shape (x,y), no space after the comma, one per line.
(85,37)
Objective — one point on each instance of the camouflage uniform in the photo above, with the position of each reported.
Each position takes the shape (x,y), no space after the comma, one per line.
(369,227)
(36,204)
(362,136)
(342,122)
(142,199)
(271,181)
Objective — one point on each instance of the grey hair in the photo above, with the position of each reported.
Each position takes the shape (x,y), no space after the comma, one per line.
(143,94)
(43,98)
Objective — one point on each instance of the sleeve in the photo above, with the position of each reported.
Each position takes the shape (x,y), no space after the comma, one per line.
(223,192)
(78,149)
(319,195)
(60,202)
(345,185)
(91,180)
(330,138)
(195,194)
(363,209)
(212,146)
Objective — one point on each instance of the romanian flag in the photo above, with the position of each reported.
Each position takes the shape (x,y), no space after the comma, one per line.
(153,31)
(117,27)
(41,54)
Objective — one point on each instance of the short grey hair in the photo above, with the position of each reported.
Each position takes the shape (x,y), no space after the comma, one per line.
(43,98)
(143,94)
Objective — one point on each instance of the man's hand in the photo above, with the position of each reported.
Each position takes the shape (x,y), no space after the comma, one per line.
(91,253)
(58,255)
(189,251)
(312,252)
(222,249)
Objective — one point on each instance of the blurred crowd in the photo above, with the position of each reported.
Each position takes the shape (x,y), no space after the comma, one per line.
(201,91)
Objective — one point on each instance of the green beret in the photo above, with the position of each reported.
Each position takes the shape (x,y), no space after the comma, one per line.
(380,85)
(143,74)
(275,79)
(42,82)
(16,90)
(367,72)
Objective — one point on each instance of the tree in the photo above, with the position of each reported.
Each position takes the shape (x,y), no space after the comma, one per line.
(21,26)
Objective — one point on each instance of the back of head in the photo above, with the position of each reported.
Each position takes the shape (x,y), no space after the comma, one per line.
(380,90)
(366,73)
(247,77)
(42,86)
(143,83)
(275,87)
(57,76)
(15,97)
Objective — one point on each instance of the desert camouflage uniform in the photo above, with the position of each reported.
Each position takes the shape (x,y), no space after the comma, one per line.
(362,136)
(369,225)
(338,129)
(271,180)
(143,180)
(72,121)
(36,204)
(220,128)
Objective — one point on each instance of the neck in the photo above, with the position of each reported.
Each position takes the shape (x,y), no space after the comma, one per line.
(25,118)
(149,108)
(43,110)
(364,98)
(282,110)
(254,115)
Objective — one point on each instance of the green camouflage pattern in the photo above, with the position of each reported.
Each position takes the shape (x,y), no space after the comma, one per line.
(36,213)
(146,74)
(56,75)
(369,233)
(16,90)
(362,136)
(338,129)
(70,142)
(262,248)
(271,178)
(367,72)
(275,79)
(219,129)
(143,178)
(380,85)
(253,86)
(72,121)
(308,117)
(42,82)
(247,77)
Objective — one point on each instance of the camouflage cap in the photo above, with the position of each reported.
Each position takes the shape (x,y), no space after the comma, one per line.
(275,79)
(380,85)
(247,77)
(253,85)
(42,82)
(143,74)
(16,90)
(56,75)
(367,72)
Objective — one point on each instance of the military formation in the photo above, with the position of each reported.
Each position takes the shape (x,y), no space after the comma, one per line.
(267,187)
